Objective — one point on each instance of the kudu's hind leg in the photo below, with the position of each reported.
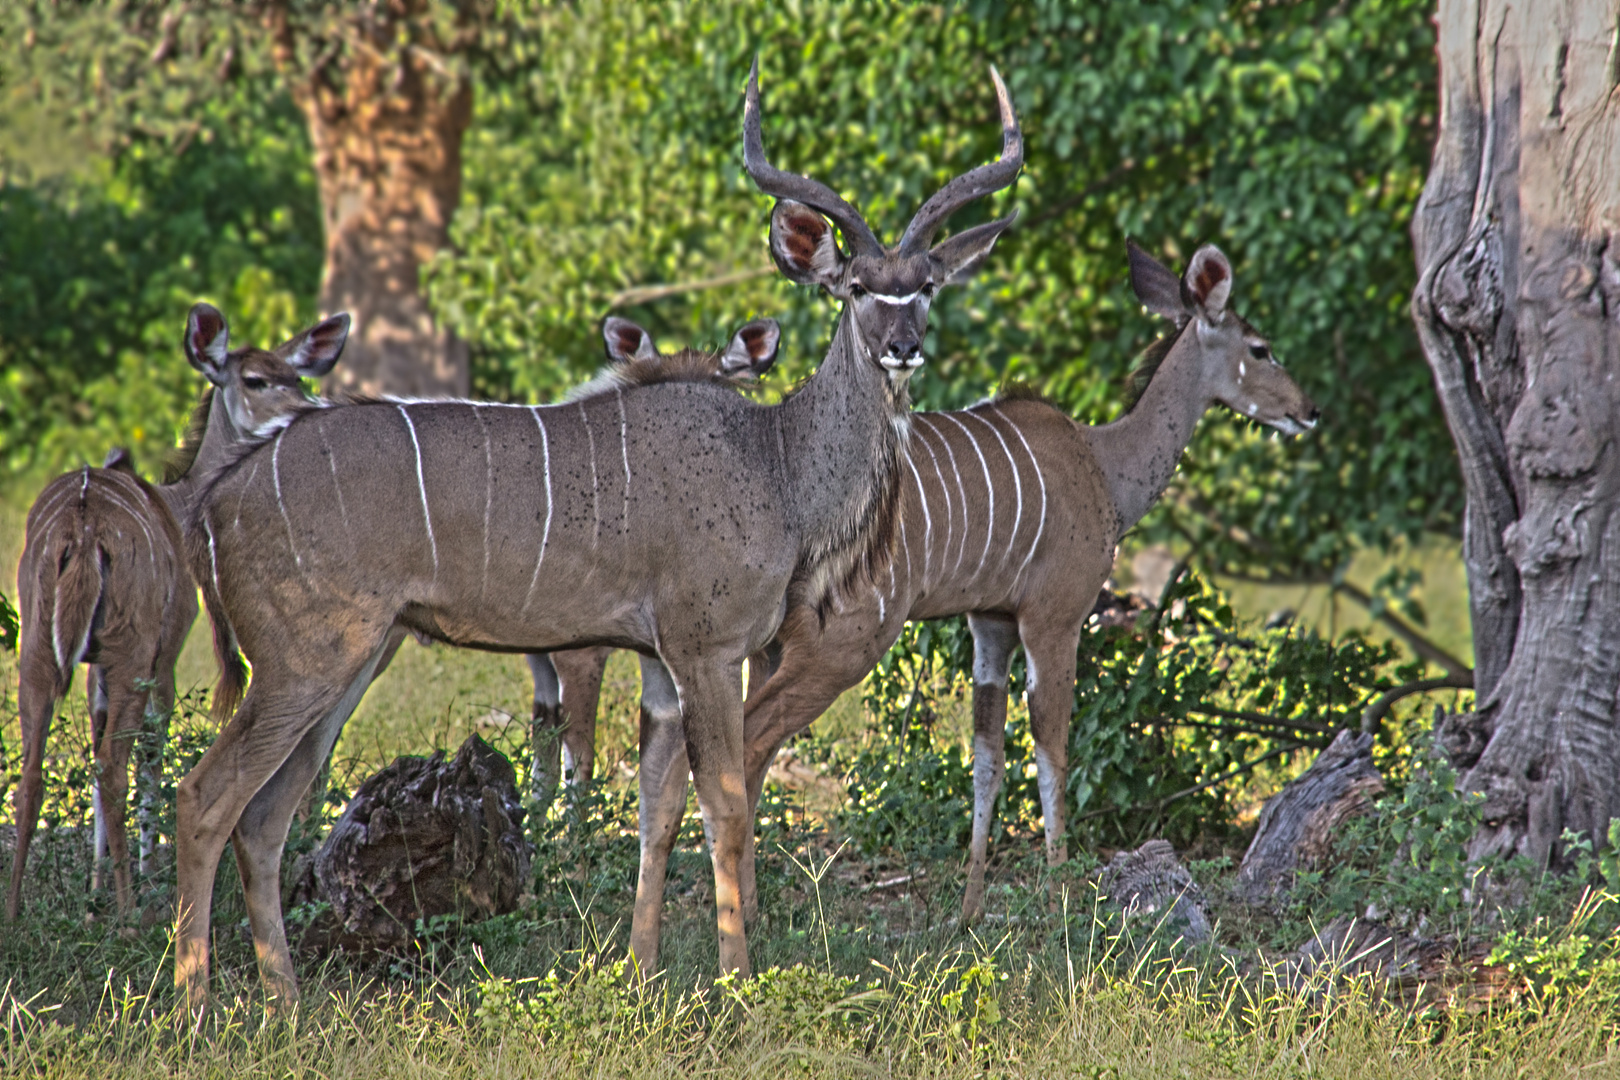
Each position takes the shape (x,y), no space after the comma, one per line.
(126,697)
(712,713)
(260,837)
(149,762)
(36,701)
(993,641)
(275,716)
(803,684)
(662,783)
(567,717)
(95,696)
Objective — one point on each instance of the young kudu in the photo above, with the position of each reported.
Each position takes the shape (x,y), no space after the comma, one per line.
(1010,513)
(103,577)
(670,519)
(568,683)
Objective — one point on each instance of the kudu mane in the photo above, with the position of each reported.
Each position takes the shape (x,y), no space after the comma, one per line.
(178,461)
(1146,365)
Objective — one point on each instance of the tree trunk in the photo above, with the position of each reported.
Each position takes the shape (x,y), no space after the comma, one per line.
(386,121)
(1517,238)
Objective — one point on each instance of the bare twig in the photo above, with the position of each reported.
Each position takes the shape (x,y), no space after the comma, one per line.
(643,294)
(1379,707)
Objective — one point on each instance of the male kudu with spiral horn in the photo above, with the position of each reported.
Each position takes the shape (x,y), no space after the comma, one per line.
(669,519)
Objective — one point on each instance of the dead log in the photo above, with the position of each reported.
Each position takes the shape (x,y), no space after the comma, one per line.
(1298,824)
(423,838)
(1151,883)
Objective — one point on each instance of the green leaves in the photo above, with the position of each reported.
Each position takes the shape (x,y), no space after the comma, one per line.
(1293,135)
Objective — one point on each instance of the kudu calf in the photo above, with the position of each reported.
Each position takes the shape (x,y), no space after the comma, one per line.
(103,578)
(670,519)
(568,683)
(1010,513)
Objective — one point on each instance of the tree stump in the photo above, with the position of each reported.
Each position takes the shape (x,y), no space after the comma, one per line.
(1151,882)
(423,838)
(1298,824)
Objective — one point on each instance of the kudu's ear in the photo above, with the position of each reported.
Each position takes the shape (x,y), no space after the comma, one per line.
(626,341)
(1209,280)
(313,352)
(803,246)
(960,257)
(752,350)
(207,341)
(1155,286)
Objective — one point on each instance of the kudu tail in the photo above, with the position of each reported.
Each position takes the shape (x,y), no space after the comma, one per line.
(75,598)
(233,673)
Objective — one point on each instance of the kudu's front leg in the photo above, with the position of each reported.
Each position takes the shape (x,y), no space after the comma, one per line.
(993,642)
(1049,654)
(712,713)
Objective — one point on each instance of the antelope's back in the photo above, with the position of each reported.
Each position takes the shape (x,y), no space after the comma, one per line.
(500,526)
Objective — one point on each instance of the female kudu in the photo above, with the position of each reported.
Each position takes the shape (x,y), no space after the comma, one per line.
(670,519)
(103,577)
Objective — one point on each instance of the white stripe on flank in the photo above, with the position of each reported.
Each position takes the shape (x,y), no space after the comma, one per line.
(421,487)
(84,484)
(961,489)
(1037,466)
(331,463)
(596,502)
(928,522)
(990,528)
(947,493)
(489,497)
(545,533)
(1018,482)
(624,451)
(275,476)
(905,545)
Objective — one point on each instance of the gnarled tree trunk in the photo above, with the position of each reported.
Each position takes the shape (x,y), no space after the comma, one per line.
(387,106)
(1518,306)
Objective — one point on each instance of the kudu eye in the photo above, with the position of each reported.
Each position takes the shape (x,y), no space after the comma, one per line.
(1259,352)
(254,382)
(856,289)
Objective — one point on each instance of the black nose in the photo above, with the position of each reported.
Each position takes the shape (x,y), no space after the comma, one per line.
(903,350)
(1316,414)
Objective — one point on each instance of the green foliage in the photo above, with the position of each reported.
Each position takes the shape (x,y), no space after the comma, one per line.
(1407,863)
(605,158)
(1172,717)
(96,277)
(1566,965)
(9,625)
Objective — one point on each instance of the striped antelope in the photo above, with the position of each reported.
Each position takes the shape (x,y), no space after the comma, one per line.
(670,519)
(568,682)
(103,578)
(1010,513)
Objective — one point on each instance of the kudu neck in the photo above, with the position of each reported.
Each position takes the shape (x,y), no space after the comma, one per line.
(1139,452)
(841,442)
(215,449)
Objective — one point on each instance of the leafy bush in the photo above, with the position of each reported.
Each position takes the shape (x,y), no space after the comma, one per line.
(1173,716)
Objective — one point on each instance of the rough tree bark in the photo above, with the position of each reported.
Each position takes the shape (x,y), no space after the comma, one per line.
(1517,238)
(387,104)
